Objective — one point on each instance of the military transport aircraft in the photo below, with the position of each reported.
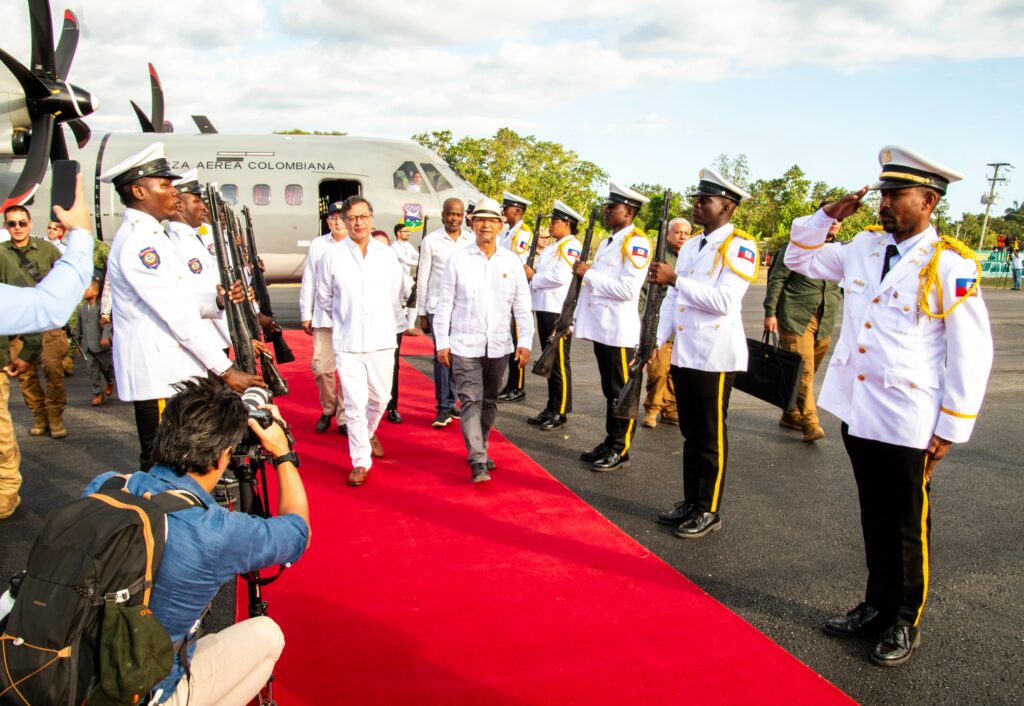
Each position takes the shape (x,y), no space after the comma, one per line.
(285,180)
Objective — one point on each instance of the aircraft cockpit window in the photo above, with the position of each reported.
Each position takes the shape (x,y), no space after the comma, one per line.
(435,177)
(261,195)
(229,192)
(293,194)
(408,178)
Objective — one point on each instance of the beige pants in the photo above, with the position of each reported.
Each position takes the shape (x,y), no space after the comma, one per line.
(661,394)
(332,401)
(10,454)
(813,352)
(231,666)
(47,407)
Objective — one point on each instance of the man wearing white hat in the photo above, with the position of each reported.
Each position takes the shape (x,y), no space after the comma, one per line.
(550,285)
(907,378)
(161,336)
(483,285)
(516,237)
(606,314)
(702,309)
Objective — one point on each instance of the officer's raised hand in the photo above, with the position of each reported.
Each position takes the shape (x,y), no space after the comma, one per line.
(846,206)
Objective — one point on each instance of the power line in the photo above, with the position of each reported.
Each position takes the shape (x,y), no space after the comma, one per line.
(990,198)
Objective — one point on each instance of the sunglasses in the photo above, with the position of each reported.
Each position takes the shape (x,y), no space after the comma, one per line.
(17,224)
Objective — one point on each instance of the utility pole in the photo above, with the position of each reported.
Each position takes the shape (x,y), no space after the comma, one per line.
(991,197)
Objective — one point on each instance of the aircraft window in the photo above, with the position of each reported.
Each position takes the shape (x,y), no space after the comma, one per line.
(229,192)
(435,177)
(409,178)
(293,194)
(261,194)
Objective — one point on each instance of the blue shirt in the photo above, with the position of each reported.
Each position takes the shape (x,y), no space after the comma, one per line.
(205,549)
(49,304)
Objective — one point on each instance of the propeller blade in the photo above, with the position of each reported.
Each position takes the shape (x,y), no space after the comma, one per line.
(35,163)
(58,145)
(205,126)
(67,45)
(41,23)
(82,132)
(144,121)
(158,99)
(30,84)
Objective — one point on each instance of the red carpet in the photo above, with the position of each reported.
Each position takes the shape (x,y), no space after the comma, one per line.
(422,588)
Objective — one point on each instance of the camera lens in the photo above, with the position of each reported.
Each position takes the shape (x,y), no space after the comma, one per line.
(253,397)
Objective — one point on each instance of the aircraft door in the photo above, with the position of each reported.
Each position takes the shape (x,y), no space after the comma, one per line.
(332,190)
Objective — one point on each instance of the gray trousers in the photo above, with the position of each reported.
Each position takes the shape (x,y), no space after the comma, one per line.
(477,381)
(101,369)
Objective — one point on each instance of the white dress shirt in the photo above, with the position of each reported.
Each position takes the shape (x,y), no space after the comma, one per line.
(409,256)
(435,250)
(360,292)
(310,308)
(477,298)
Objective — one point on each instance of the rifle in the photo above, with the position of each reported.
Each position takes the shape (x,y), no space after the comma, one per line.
(627,404)
(563,326)
(533,243)
(282,352)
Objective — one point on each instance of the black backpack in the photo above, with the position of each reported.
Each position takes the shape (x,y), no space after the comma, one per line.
(81,631)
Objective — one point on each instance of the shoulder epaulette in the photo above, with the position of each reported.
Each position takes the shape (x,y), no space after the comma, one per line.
(722,256)
(742,234)
(962,249)
(526,228)
(639,233)
(874,228)
(930,277)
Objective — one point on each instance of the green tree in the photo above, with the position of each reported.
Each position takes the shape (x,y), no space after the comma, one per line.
(649,217)
(297,131)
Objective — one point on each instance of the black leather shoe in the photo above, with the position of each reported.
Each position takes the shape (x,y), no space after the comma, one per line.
(554,421)
(596,454)
(480,474)
(677,515)
(343,429)
(323,423)
(394,417)
(862,620)
(544,415)
(489,464)
(896,645)
(699,524)
(611,462)
(513,396)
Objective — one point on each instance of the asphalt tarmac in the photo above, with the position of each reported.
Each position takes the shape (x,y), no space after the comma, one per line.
(790,552)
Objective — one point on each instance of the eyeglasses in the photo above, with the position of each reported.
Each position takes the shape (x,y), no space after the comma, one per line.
(17,224)
(356,219)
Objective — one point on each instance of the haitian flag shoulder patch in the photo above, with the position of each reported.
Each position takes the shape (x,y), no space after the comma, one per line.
(963,286)
(746,253)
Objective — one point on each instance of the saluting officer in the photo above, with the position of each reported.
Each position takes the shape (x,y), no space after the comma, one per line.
(702,308)
(907,378)
(516,237)
(606,314)
(549,284)
(161,336)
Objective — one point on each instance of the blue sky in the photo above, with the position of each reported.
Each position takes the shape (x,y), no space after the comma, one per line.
(651,91)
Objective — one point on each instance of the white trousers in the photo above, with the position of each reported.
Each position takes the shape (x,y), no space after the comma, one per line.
(231,666)
(324,365)
(366,383)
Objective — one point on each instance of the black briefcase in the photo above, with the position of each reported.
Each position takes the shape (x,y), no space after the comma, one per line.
(772,374)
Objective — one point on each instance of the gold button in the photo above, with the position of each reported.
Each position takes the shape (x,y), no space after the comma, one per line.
(862,349)
(718,326)
(860,377)
(680,328)
(906,308)
(867,324)
(875,300)
(913,385)
(682,308)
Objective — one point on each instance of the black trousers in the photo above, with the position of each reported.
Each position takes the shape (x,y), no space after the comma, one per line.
(896,521)
(613,365)
(560,382)
(705,436)
(393,403)
(516,375)
(147,419)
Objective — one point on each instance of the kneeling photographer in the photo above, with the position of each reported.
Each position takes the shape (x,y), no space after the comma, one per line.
(207,547)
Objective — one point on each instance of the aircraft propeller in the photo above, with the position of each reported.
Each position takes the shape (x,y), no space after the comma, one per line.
(49,99)
(156,123)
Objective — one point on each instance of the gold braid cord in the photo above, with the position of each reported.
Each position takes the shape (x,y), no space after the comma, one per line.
(721,256)
(930,277)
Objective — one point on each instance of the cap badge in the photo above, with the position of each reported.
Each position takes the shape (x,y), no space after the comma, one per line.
(886,156)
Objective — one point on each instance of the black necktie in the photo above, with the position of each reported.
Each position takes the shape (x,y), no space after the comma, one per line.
(890,252)
(703,242)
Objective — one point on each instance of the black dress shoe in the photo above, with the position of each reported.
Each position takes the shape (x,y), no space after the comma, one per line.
(554,421)
(677,515)
(862,620)
(513,396)
(598,452)
(489,464)
(480,474)
(343,429)
(394,417)
(323,423)
(544,415)
(699,524)
(896,645)
(611,462)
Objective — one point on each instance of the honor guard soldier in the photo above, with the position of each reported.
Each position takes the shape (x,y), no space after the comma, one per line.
(183,228)
(516,237)
(702,310)
(606,314)
(161,336)
(907,378)
(549,284)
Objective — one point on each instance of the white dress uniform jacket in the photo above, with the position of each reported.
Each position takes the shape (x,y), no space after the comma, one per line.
(607,308)
(409,256)
(161,336)
(360,292)
(435,250)
(517,239)
(898,375)
(203,267)
(703,308)
(477,299)
(310,307)
(553,273)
